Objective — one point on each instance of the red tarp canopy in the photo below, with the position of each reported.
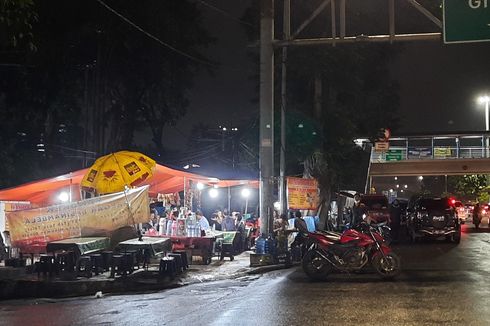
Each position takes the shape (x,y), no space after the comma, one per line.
(165,180)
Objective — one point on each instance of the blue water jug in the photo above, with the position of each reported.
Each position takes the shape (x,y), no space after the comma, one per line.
(260,245)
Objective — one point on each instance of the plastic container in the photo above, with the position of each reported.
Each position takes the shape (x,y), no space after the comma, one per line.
(260,245)
(174,228)
(162,224)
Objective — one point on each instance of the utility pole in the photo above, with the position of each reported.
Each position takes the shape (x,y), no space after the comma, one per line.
(282,159)
(266,145)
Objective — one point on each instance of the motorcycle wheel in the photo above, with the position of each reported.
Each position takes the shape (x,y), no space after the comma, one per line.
(315,267)
(387,266)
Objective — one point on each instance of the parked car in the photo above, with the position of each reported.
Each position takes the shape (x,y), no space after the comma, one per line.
(433,217)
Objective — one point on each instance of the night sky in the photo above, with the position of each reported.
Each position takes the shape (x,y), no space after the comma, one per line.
(438,83)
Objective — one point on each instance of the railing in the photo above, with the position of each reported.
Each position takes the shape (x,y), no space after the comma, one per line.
(475,146)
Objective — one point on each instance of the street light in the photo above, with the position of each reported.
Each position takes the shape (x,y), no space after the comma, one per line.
(421,178)
(246,195)
(485,100)
(213,192)
(63,197)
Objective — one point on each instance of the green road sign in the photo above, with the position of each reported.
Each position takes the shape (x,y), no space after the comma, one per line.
(466,21)
(394,155)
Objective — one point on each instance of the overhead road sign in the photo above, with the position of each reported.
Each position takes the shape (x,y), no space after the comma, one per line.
(466,21)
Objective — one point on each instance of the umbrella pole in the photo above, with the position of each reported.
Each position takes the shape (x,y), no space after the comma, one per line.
(126,187)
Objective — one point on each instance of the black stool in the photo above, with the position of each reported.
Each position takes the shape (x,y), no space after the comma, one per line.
(118,265)
(167,267)
(96,260)
(84,266)
(46,264)
(178,262)
(129,261)
(66,261)
(106,260)
(183,257)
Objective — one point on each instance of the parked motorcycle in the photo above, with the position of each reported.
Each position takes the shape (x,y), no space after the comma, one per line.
(348,252)
(385,231)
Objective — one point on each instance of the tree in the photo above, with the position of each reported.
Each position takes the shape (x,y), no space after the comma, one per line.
(93,79)
(468,187)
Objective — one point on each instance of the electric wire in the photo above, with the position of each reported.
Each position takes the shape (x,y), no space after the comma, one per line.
(168,46)
(204,3)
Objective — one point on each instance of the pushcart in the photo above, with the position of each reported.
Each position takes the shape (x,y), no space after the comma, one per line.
(226,245)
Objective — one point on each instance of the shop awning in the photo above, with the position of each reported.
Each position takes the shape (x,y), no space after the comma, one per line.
(165,180)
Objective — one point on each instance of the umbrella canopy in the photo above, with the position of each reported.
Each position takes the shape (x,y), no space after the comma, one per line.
(113,172)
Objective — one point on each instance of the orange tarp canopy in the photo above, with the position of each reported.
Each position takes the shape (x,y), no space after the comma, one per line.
(165,180)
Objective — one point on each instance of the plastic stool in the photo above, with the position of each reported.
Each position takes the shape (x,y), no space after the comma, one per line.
(84,266)
(178,262)
(67,261)
(183,257)
(97,263)
(118,265)
(106,260)
(167,267)
(46,265)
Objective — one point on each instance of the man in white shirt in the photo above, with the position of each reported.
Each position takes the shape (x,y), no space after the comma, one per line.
(203,222)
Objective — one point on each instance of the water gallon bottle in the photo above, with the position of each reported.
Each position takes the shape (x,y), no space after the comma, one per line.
(270,245)
(162,226)
(169,227)
(260,245)
(266,246)
(174,228)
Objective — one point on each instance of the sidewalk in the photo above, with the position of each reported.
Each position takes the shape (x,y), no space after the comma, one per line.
(15,283)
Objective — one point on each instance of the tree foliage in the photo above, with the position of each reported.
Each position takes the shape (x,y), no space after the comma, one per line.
(469,187)
(94,81)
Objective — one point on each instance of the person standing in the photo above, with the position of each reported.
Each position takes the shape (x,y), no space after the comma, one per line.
(203,222)
(228,223)
(395,214)
(242,235)
(301,236)
(358,210)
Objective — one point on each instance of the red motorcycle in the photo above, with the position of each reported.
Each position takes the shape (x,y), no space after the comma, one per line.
(349,252)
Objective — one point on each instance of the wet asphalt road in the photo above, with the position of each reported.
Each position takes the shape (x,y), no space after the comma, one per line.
(441,284)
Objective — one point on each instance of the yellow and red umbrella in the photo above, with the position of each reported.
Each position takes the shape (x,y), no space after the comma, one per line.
(116,171)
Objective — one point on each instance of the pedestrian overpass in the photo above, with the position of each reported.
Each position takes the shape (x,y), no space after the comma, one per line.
(442,154)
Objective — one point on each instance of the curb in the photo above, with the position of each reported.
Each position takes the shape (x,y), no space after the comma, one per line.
(22,289)
(270,268)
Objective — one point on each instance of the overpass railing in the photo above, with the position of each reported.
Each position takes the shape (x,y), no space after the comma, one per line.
(475,146)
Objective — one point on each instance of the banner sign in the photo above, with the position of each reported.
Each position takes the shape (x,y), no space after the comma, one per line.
(419,152)
(302,193)
(97,216)
(394,155)
(443,152)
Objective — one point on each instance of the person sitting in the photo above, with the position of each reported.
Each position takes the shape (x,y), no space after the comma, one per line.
(215,223)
